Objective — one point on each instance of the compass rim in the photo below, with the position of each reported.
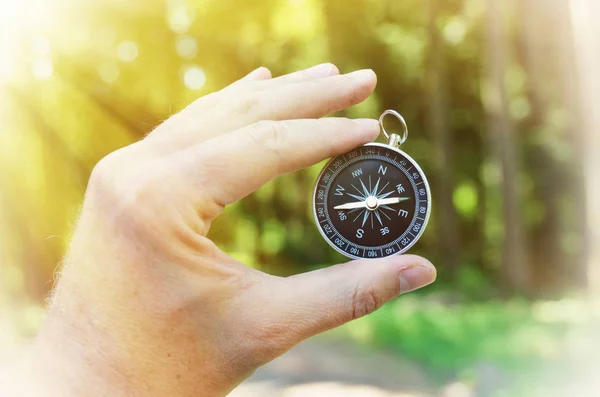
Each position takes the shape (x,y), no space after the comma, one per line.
(419,233)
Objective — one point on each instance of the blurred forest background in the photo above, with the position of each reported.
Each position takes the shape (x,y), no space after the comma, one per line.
(499,98)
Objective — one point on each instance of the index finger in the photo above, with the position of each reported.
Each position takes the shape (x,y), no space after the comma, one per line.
(238,163)
(298,99)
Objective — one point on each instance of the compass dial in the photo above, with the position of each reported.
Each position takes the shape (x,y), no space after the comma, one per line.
(371,202)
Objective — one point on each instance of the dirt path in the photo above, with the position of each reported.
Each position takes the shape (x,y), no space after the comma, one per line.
(322,368)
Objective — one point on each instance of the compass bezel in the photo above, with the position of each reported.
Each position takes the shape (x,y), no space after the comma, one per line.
(418,234)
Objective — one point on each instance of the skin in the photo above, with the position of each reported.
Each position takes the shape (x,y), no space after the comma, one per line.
(146,305)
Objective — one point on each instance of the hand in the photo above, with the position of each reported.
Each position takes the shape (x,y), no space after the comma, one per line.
(146,305)
(363,204)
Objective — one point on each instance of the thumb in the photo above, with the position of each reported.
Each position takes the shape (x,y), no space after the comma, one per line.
(314,302)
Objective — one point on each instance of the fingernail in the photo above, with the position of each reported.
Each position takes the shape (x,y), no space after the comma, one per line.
(363,75)
(368,124)
(415,277)
(322,70)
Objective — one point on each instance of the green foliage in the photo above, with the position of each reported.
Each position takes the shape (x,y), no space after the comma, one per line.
(454,340)
(465,199)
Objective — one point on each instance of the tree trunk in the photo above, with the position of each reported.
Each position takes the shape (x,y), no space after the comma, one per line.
(587,58)
(544,54)
(437,102)
(514,267)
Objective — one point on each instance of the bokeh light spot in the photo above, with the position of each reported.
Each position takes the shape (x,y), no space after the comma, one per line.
(127,51)
(43,69)
(519,108)
(186,47)
(454,31)
(109,72)
(6,68)
(40,46)
(194,78)
(179,17)
(465,199)
(106,36)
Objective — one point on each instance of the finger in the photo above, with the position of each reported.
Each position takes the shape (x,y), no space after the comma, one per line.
(261,73)
(203,104)
(314,302)
(301,99)
(245,159)
(315,72)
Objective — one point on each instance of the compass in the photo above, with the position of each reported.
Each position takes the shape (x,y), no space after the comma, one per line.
(373,201)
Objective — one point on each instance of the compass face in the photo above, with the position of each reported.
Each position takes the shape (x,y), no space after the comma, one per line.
(371,202)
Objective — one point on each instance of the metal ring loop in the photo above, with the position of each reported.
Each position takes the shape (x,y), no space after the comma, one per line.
(399,117)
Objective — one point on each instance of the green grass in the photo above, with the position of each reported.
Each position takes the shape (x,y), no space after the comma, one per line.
(450,340)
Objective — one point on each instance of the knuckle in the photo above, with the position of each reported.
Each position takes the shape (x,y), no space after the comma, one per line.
(365,301)
(137,196)
(247,105)
(104,172)
(130,195)
(269,134)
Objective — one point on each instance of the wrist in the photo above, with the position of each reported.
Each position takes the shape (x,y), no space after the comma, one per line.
(65,360)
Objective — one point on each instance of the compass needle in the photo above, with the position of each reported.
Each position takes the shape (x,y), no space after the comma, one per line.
(393,200)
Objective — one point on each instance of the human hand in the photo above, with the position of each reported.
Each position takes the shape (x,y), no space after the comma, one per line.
(147,305)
